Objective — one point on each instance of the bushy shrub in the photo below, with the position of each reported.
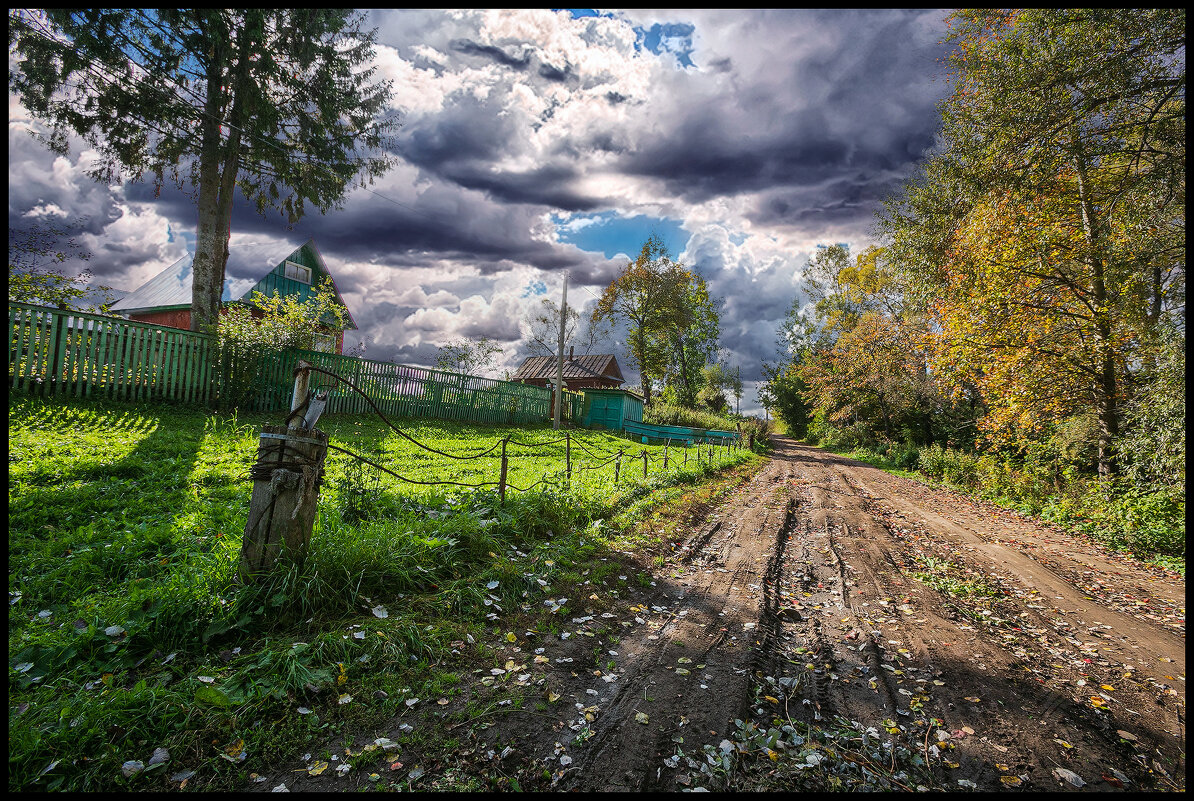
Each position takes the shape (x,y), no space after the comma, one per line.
(245,342)
(850,438)
(960,467)
(931,459)
(669,414)
(904,455)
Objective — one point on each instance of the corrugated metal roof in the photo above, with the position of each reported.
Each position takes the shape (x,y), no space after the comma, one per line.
(593,366)
(169,288)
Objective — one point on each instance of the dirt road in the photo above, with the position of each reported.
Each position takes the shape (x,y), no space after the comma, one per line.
(826,593)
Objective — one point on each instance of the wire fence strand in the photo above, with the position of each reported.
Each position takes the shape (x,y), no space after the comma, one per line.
(263,468)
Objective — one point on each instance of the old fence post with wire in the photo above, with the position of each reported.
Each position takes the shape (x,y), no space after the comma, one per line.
(286,479)
(502,479)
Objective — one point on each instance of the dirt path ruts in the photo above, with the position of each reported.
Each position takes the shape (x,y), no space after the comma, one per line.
(843,592)
(1078,648)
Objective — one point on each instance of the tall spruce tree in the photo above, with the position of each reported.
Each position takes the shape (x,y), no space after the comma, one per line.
(280,103)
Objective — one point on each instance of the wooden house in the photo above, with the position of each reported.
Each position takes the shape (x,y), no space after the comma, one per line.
(580,372)
(165,299)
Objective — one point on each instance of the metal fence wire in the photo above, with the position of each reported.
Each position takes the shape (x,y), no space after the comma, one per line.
(500,450)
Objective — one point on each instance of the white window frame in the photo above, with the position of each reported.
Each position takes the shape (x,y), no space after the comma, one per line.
(301,272)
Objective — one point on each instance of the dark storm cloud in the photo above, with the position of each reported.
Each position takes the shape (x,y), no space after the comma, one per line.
(422,353)
(469,130)
(546,186)
(553,73)
(471,48)
(858,102)
(836,202)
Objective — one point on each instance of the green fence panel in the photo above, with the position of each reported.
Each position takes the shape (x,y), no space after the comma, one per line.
(88,355)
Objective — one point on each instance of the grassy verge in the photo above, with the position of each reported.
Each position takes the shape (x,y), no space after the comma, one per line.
(136,660)
(1149,527)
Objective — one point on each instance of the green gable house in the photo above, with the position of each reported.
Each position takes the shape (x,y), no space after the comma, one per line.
(165,299)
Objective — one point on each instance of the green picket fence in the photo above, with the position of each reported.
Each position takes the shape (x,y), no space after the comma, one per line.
(65,353)
(573,408)
(402,391)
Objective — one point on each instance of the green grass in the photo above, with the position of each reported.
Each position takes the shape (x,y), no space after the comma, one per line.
(128,630)
(1149,526)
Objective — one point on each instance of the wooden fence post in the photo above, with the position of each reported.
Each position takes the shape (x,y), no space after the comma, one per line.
(644,464)
(286,482)
(665,444)
(502,478)
(618,467)
(568,455)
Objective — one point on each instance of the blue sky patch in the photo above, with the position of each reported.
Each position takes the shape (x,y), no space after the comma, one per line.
(669,37)
(611,234)
(534,289)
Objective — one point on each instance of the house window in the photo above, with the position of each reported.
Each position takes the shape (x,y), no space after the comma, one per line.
(298,272)
(325,343)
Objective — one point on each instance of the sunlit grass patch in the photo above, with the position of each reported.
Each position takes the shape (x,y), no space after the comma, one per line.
(128,629)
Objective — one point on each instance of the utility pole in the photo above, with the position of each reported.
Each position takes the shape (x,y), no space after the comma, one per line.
(560,354)
(738,391)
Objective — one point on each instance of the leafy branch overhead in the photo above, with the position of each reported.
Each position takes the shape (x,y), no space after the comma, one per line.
(279,104)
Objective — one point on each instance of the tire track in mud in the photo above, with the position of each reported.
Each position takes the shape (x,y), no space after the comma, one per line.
(691,678)
(816,592)
(1018,677)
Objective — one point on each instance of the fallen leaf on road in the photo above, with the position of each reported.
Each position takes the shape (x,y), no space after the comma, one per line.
(1068,776)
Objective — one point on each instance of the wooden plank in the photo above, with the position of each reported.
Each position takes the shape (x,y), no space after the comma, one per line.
(149,370)
(142,387)
(54,374)
(192,372)
(186,368)
(104,386)
(72,343)
(45,333)
(33,347)
(79,338)
(165,361)
(125,356)
(94,357)
(88,357)
(19,360)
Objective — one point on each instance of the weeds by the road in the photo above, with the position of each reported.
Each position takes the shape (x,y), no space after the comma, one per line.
(778,753)
(1150,526)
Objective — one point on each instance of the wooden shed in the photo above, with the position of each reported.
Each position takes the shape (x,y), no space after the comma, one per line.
(611,408)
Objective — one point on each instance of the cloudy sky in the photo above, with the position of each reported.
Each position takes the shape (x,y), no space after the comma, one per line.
(538,144)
